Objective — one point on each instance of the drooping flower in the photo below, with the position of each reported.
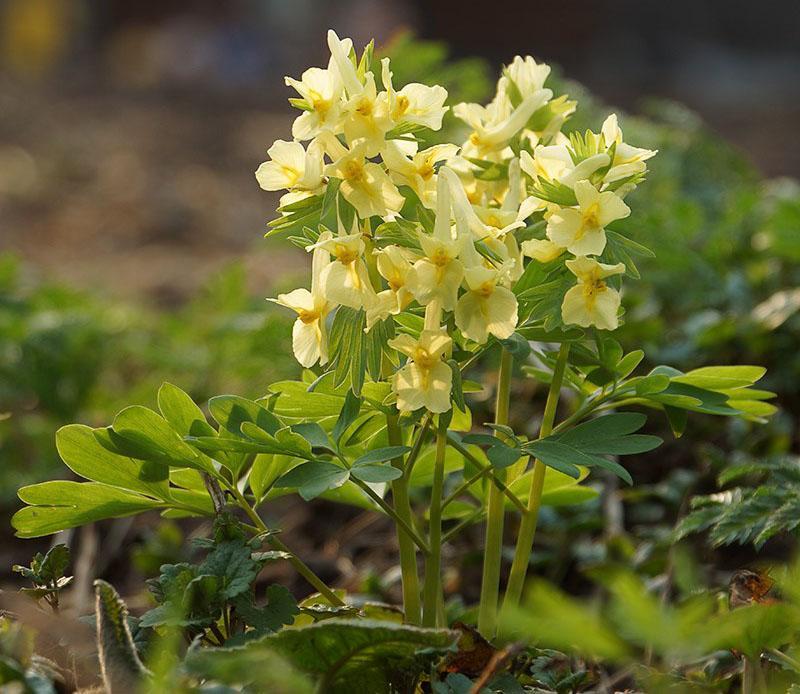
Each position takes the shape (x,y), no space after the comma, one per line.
(309,338)
(592,301)
(426,380)
(582,231)
(365,184)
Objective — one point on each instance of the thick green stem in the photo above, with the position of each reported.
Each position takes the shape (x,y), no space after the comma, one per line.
(408,552)
(433,562)
(495,514)
(527,528)
(299,565)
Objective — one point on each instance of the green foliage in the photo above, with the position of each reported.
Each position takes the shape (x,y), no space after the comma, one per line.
(748,514)
(48,574)
(66,356)
(218,593)
(681,643)
(20,668)
(374,656)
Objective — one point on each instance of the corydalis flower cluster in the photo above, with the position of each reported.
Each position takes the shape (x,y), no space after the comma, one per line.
(516,193)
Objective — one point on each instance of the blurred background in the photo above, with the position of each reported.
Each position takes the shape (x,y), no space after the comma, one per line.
(131,225)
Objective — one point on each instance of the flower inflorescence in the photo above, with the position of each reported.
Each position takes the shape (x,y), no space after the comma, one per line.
(447,228)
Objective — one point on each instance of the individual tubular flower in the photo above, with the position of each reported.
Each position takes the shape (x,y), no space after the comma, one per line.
(426,380)
(415,103)
(628,160)
(394,266)
(487,307)
(340,56)
(438,275)
(417,170)
(557,163)
(494,126)
(366,118)
(542,250)
(345,281)
(365,185)
(320,93)
(527,75)
(592,301)
(309,338)
(582,231)
(292,167)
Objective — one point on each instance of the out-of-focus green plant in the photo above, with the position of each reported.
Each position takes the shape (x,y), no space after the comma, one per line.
(697,643)
(66,355)
(764,502)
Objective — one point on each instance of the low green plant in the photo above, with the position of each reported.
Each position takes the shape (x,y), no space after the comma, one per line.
(427,262)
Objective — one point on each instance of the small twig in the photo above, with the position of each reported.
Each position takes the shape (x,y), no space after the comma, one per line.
(215,492)
(499,660)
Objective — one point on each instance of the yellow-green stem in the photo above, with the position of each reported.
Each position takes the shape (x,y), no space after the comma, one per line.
(408,552)
(527,528)
(495,514)
(433,562)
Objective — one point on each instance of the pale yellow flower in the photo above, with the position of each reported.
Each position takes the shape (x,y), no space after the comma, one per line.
(291,167)
(494,126)
(309,337)
(582,231)
(417,170)
(437,275)
(542,250)
(395,267)
(592,301)
(340,56)
(555,163)
(320,91)
(366,118)
(486,308)
(426,380)
(528,75)
(365,185)
(628,160)
(345,281)
(415,103)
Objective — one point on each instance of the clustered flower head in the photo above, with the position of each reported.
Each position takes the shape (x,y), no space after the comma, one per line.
(447,230)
